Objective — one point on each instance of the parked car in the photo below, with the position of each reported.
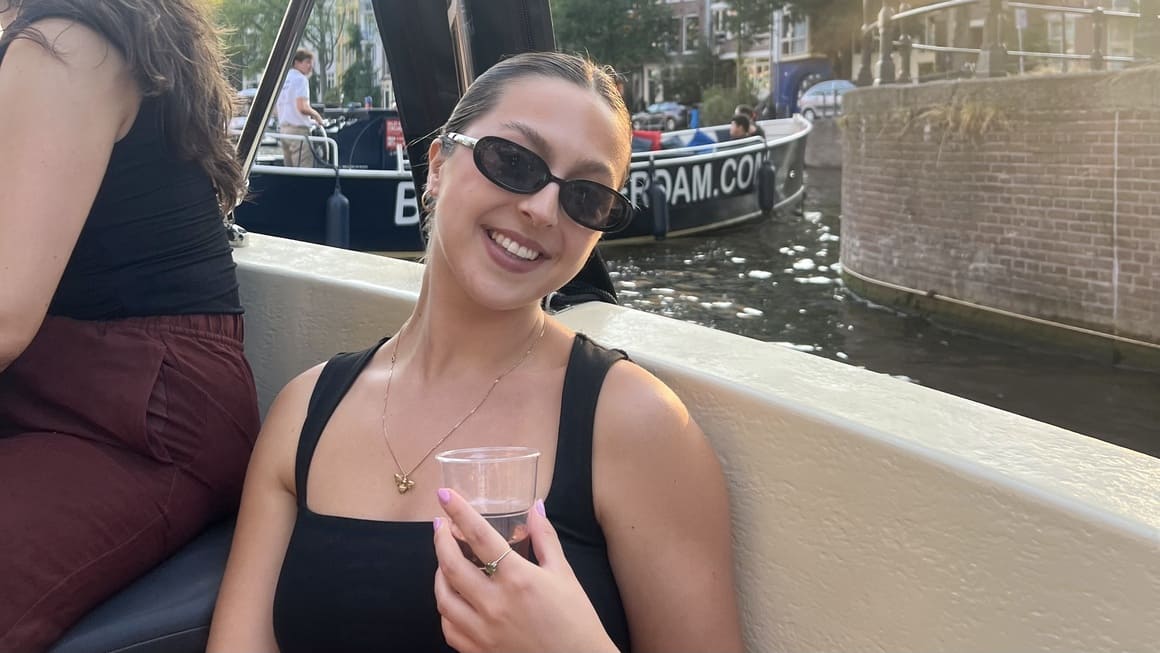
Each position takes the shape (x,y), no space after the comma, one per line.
(824,99)
(662,116)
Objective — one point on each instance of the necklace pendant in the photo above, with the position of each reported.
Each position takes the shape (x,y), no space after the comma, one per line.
(403,483)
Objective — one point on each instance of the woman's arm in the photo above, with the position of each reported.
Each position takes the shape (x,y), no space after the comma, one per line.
(661,500)
(62,111)
(243,616)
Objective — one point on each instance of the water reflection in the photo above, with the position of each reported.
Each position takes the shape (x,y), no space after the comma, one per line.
(777,280)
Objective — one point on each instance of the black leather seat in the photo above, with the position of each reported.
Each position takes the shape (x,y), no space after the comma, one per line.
(165,611)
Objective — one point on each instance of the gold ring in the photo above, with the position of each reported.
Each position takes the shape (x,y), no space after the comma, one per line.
(490,568)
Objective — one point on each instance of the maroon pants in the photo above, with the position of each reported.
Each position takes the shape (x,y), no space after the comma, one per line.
(119,442)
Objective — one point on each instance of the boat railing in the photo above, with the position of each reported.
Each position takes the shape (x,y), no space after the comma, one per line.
(703,152)
(722,149)
(330,143)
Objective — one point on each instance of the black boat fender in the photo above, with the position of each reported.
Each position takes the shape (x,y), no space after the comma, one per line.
(766,184)
(338,219)
(658,201)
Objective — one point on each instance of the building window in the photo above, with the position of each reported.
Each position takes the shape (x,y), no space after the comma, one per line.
(1060,38)
(720,12)
(796,40)
(673,37)
(758,70)
(1121,40)
(1061,33)
(692,32)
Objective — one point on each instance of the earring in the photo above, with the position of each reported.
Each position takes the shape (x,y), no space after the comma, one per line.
(427,201)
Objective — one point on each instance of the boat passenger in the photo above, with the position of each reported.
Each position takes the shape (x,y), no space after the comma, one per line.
(749,112)
(739,126)
(127,408)
(296,116)
(333,548)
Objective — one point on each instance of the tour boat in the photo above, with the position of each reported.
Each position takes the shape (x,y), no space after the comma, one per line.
(700,180)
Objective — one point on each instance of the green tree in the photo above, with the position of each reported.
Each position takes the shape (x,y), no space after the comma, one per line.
(358,81)
(252,25)
(249,27)
(625,34)
(323,29)
(693,73)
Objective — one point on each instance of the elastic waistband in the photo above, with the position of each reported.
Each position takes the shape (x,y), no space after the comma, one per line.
(224,326)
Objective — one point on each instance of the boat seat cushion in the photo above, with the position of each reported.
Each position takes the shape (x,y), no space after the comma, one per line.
(165,611)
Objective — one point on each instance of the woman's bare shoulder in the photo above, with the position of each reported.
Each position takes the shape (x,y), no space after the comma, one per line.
(632,396)
(70,61)
(71,43)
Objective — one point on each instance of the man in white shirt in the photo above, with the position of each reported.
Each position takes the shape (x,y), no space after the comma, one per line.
(295,115)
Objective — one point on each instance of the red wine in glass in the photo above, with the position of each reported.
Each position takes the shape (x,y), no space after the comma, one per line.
(514,528)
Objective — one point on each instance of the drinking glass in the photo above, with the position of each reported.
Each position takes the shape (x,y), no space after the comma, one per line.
(500,483)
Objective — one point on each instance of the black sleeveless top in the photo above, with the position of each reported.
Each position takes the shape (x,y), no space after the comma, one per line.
(354,585)
(153,242)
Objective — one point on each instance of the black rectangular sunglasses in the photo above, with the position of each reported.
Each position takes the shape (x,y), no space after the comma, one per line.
(515,168)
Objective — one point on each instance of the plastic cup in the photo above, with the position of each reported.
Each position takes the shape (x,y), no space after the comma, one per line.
(500,483)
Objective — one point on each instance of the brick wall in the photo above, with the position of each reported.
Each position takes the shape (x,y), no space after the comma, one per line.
(1037,195)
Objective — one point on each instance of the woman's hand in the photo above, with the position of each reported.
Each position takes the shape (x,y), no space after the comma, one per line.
(521,607)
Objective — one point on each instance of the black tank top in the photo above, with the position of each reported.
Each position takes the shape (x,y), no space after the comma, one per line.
(354,585)
(153,242)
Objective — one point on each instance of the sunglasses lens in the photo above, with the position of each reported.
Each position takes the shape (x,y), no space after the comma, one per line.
(592,205)
(511,166)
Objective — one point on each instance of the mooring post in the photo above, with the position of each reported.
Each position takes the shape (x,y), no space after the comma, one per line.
(865,76)
(905,45)
(885,46)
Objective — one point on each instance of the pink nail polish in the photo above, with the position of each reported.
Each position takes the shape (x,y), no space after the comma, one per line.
(437,523)
(444,495)
(540,507)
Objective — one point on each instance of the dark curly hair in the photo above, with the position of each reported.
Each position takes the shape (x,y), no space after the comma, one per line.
(174,51)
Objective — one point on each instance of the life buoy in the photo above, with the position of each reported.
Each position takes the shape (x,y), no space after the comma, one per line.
(766,185)
(659,202)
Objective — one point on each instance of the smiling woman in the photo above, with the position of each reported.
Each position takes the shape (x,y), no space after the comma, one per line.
(330,553)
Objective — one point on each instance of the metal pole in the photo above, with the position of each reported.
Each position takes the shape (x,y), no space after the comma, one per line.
(1021,50)
(775,64)
(885,46)
(460,28)
(992,60)
(905,43)
(1099,38)
(865,76)
(772,47)
(1020,25)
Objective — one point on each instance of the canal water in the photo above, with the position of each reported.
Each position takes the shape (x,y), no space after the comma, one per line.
(778,281)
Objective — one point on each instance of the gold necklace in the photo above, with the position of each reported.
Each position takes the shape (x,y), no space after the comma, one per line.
(403,480)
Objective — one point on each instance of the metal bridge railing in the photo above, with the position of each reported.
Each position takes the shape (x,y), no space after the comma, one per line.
(894,29)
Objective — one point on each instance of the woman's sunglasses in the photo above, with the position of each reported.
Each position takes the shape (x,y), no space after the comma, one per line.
(515,168)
